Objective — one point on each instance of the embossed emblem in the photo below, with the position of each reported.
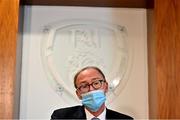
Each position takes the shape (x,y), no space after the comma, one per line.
(68,46)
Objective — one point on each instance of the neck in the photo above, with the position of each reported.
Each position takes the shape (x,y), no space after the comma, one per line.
(97,113)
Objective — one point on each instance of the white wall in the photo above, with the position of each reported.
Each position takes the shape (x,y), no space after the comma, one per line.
(38,98)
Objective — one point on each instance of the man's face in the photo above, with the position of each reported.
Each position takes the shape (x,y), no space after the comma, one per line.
(90,76)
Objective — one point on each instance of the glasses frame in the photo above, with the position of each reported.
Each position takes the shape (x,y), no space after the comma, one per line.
(92,84)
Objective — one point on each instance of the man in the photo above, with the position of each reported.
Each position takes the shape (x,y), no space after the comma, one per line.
(91,86)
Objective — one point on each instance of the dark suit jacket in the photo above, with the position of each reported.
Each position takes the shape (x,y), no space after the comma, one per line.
(78,112)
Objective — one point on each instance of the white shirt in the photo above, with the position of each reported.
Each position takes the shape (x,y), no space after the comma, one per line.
(89,116)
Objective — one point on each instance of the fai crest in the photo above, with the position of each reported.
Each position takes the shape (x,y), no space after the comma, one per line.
(68,46)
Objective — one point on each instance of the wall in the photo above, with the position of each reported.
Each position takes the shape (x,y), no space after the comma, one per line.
(8,34)
(161,6)
(167,26)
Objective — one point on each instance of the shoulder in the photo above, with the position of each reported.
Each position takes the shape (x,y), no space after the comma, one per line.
(68,109)
(111,114)
(67,112)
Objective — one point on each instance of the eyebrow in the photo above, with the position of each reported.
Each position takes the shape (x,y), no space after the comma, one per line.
(94,79)
(97,79)
(83,82)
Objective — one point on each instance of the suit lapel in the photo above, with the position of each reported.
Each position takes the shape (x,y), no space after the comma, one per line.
(79,113)
(109,114)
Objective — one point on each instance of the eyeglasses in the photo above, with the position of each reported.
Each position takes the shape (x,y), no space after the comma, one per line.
(85,87)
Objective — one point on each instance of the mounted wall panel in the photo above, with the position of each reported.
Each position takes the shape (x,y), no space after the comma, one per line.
(57,41)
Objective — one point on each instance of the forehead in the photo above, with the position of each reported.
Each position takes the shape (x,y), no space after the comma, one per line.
(88,75)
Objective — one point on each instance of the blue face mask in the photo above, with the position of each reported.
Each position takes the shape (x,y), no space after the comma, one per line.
(93,100)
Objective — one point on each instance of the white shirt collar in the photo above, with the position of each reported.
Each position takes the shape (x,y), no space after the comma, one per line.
(89,116)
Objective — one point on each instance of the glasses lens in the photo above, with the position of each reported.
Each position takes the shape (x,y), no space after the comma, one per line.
(84,87)
(97,84)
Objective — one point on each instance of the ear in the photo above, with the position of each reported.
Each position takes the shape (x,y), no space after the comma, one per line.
(106,87)
(78,94)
